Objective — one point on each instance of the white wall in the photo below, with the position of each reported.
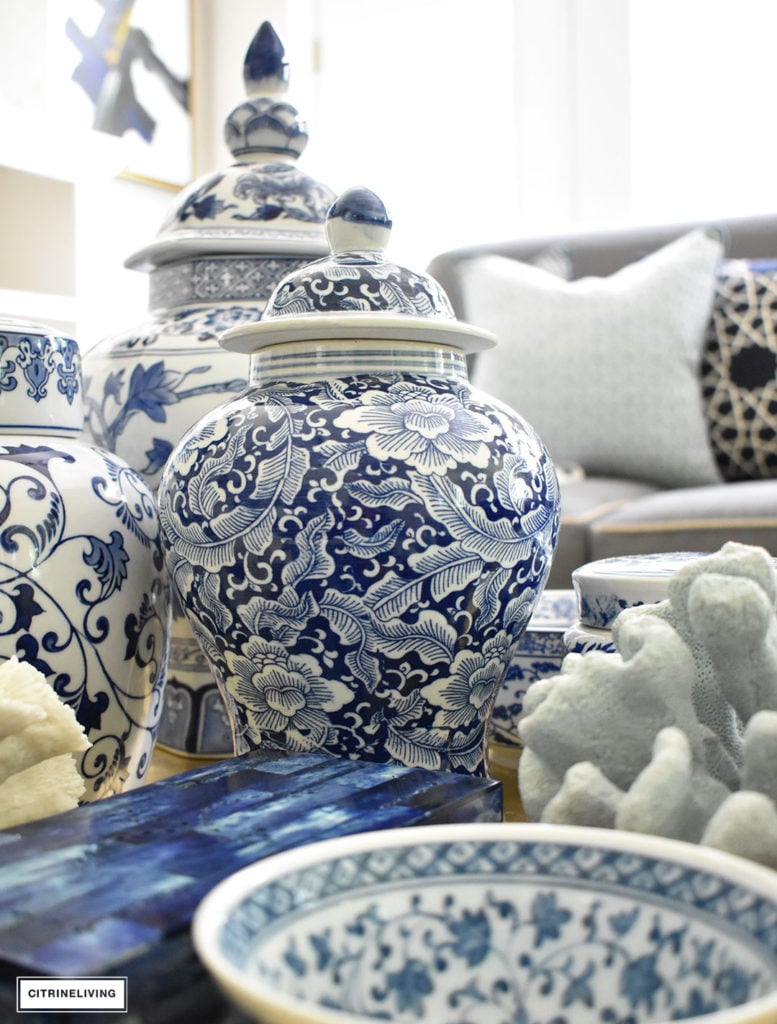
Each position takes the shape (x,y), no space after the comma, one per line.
(474,121)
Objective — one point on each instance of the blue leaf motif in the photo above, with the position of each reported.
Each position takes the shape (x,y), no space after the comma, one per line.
(355,625)
(622,923)
(157,455)
(295,961)
(493,540)
(697,1005)
(548,917)
(640,982)
(704,952)
(419,747)
(113,385)
(150,391)
(367,547)
(487,593)
(446,570)
(322,949)
(392,493)
(341,457)
(26,608)
(409,985)
(578,990)
(313,561)
(472,936)
(109,561)
(431,636)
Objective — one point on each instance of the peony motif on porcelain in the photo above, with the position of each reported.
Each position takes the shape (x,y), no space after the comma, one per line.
(358,557)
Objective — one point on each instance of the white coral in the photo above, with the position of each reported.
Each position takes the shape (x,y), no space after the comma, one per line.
(39,734)
(676,733)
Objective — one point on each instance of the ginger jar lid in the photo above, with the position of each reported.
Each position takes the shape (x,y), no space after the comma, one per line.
(356,292)
(262,203)
(41,388)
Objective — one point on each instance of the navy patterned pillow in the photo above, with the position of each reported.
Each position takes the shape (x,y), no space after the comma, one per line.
(739,370)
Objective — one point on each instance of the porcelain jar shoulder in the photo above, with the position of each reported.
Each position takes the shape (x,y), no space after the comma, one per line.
(84,594)
(359,539)
(227,240)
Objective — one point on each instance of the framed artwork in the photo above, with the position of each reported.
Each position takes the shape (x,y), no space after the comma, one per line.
(128,67)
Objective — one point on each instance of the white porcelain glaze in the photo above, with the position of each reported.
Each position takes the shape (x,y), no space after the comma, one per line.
(84,595)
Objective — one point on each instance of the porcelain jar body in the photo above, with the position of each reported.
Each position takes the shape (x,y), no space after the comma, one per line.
(84,593)
(227,240)
(145,388)
(358,542)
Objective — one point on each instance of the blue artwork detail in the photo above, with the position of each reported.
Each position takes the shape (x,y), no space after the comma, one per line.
(357,557)
(68,605)
(105,71)
(502,931)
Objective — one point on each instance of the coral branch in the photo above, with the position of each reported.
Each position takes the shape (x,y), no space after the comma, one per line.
(676,732)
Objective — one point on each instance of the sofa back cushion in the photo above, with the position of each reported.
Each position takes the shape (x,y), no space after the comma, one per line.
(607,370)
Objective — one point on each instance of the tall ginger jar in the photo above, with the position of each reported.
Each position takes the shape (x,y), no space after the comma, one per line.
(84,593)
(228,239)
(360,538)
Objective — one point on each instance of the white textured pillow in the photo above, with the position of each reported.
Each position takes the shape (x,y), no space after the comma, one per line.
(605,369)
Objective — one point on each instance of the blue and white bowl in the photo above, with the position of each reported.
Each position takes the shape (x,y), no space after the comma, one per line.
(491,923)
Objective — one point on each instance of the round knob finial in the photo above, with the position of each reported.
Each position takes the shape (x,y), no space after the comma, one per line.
(357,221)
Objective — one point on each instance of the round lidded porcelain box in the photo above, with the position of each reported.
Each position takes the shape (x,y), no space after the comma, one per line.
(603,588)
(84,594)
(228,239)
(607,586)
(359,539)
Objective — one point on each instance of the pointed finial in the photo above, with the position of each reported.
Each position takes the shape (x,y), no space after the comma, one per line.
(264,60)
(357,221)
(264,124)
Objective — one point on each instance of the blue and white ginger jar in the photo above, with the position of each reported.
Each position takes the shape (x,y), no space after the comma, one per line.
(228,239)
(84,593)
(359,539)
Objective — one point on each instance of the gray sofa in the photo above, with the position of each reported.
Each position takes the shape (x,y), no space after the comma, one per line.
(606,514)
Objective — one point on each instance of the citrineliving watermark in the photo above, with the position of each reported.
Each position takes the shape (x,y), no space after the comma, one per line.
(85,994)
